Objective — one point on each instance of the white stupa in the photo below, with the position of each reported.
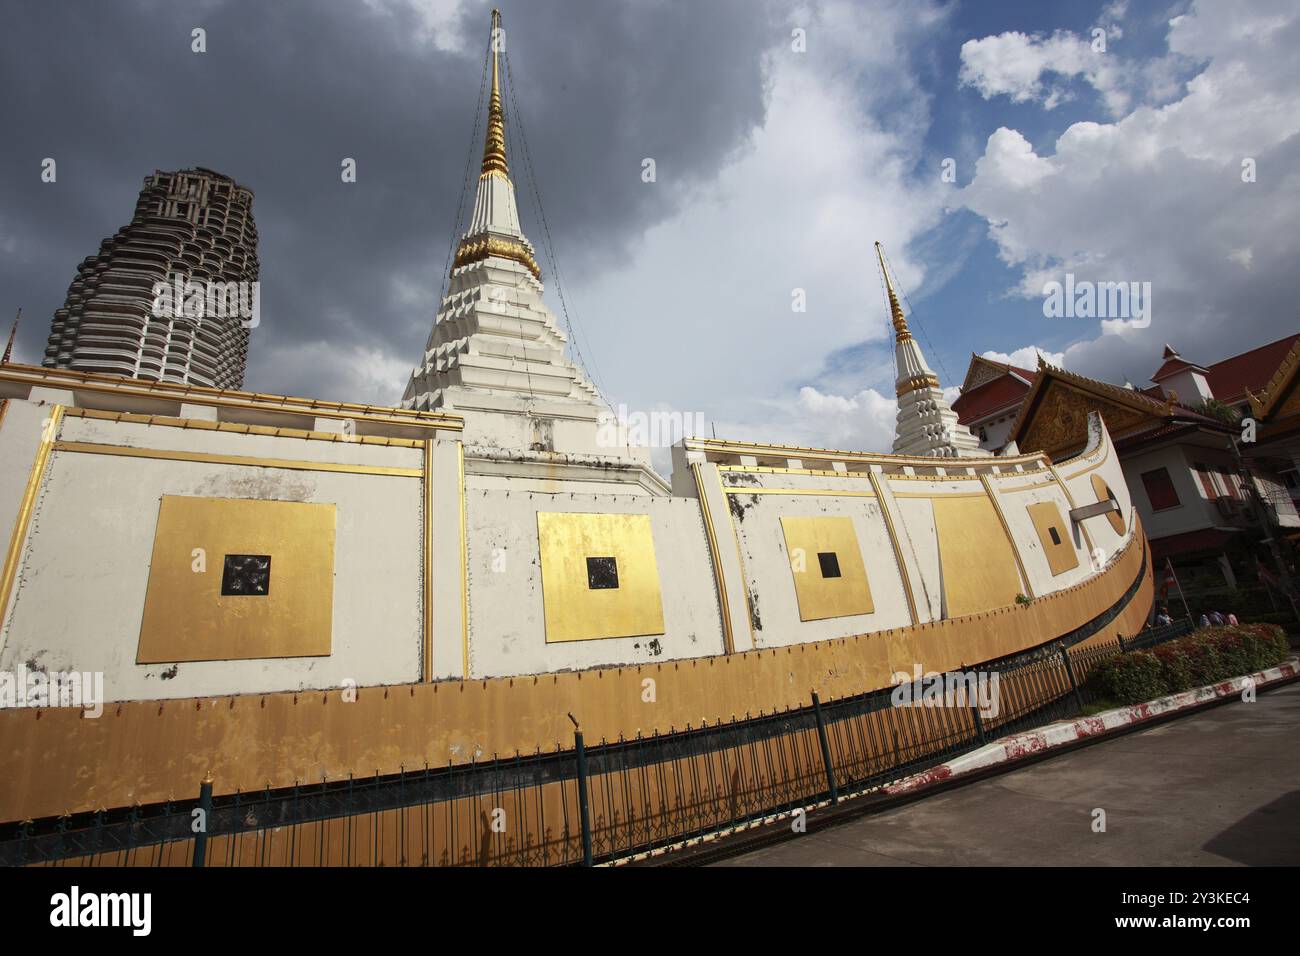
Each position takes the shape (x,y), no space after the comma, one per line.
(927,425)
(495,354)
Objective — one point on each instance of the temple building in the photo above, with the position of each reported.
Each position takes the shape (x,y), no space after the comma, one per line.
(280,592)
(1194,470)
(926,424)
(496,354)
(990,399)
(191,228)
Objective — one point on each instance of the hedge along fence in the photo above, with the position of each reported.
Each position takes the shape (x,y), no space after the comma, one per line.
(1204,657)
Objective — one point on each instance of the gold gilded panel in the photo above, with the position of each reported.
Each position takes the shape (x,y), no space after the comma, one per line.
(1102,491)
(1061,556)
(975,556)
(186,615)
(599,576)
(830,579)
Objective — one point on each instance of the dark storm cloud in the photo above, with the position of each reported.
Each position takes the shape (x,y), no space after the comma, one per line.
(286,90)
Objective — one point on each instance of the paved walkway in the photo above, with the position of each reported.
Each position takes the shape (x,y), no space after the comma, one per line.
(1218,788)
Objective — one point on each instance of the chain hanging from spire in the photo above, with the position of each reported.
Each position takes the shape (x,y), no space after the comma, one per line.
(13,332)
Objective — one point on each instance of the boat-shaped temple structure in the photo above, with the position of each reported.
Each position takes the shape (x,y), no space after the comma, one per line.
(282,594)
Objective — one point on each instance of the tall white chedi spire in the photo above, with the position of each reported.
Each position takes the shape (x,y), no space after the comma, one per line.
(495,354)
(927,425)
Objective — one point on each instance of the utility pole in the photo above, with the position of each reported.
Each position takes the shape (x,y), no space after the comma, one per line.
(1266,525)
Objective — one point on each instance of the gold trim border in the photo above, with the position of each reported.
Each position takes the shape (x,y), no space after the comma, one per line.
(464,568)
(1018,488)
(1087,538)
(722,446)
(1087,468)
(428,561)
(934,496)
(129,451)
(728,643)
(69,380)
(740,561)
(898,550)
(23,520)
(1011,538)
(827,492)
(270,431)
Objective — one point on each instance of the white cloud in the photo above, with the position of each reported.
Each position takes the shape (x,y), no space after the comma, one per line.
(1158,196)
(861,422)
(438,22)
(707,295)
(1026,357)
(1014,64)
(1031,67)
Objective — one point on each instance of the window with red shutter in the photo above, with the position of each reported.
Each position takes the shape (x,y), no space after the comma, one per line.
(1160,489)
(1207,483)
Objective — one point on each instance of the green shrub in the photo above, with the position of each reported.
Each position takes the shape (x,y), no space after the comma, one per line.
(1265,643)
(1175,667)
(1203,657)
(1204,653)
(1129,678)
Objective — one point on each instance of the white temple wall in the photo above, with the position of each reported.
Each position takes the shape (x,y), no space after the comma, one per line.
(507,624)
(769,576)
(84,567)
(20,436)
(1104,463)
(78,602)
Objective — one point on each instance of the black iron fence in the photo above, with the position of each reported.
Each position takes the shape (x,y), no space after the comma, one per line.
(597,803)
(1157,635)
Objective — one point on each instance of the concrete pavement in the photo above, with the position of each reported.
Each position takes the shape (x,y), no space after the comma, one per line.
(1221,787)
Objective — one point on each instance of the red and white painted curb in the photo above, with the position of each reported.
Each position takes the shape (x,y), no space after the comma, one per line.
(1019,746)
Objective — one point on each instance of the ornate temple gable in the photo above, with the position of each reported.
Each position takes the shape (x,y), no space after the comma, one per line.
(1280,398)
(1054,415)
(1059,423)
(982,370)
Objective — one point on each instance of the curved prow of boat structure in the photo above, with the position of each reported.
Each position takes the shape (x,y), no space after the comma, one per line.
(423,611)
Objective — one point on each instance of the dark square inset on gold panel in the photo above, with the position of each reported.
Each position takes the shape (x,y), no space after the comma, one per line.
(602,573)
(246,575)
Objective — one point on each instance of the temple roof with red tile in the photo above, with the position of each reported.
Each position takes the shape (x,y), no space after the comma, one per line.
(1004,392)
(991,387)
(1231,378)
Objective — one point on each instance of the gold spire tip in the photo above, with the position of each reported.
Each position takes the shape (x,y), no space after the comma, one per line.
(901,331)
(494,145)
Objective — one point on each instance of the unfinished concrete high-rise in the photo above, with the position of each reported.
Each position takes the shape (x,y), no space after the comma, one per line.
(192,229)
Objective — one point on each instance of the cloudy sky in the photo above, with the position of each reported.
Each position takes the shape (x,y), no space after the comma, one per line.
(786,139)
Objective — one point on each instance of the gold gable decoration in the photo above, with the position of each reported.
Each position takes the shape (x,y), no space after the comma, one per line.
(1060,421)
(1278,399)
(983,370)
